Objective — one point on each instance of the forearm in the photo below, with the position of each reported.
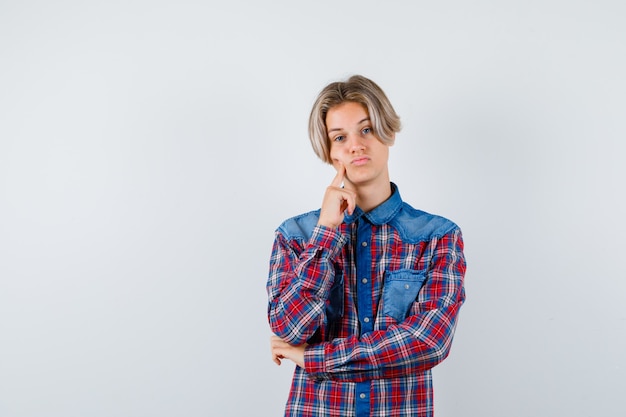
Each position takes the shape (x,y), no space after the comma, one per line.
(297,313)
(299,285)
(415,345)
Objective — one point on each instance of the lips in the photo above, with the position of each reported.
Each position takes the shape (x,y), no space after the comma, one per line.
(360,161)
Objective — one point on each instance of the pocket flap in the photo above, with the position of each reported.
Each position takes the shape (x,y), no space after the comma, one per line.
(400,292)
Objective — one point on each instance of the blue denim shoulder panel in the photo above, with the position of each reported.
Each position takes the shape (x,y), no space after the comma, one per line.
(417,226)
(300,227)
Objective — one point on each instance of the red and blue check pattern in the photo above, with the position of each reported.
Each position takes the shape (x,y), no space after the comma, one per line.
(370,351)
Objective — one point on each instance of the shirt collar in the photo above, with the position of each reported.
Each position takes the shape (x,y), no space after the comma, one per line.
(382,213)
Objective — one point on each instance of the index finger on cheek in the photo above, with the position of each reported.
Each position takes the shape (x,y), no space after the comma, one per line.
(341,170)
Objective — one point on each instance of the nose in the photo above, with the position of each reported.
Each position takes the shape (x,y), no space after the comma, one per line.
(356,143)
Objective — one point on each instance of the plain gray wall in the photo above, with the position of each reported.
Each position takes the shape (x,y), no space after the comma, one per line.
(148,150)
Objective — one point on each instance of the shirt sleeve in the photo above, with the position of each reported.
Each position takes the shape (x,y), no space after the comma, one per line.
(416,344)
(299,283)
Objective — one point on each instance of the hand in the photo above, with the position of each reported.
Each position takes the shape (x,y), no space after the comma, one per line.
(283,350)
(336,201)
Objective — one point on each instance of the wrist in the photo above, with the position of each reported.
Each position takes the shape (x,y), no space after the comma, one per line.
(330,225)
(314,362)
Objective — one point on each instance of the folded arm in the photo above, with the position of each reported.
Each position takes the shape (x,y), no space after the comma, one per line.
(417,343)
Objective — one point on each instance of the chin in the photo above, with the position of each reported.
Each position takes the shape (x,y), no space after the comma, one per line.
(359,181)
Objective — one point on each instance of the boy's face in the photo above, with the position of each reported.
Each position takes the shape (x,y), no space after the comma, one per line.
(354,144)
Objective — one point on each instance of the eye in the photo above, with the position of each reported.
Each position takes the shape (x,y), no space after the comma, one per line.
(367,130)
(339,138)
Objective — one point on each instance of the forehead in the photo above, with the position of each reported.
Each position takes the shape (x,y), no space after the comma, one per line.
(346,114)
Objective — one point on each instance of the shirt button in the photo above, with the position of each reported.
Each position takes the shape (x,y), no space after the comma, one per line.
(364,244)
(362,396)
(364,280)
(366,319)
(406,286)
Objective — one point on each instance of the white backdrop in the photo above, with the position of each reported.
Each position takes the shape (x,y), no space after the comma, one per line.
(148,150)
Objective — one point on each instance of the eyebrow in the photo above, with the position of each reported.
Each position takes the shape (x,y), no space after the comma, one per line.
(366,119)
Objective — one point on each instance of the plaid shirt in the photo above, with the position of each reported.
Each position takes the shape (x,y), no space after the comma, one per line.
(376,300)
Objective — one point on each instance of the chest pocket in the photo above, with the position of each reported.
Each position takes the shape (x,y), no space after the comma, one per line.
(400,292)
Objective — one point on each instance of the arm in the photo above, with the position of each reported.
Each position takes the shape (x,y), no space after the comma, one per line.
(299,283)
(416,344)
(300,279)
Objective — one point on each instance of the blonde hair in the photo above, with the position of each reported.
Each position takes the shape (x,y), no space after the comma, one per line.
(357,89)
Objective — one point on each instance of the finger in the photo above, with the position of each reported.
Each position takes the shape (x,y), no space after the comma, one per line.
(341,172)
(351,205)
(276,341)
(348,201)
(279,353)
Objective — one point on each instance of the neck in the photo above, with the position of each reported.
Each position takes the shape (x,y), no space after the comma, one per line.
(370,196)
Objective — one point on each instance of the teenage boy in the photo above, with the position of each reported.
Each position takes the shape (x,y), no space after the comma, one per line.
(364,293)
